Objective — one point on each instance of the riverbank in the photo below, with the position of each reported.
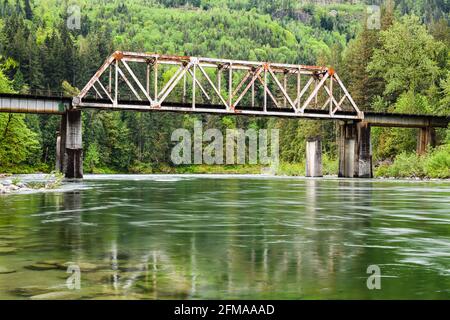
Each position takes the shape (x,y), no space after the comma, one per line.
(434,165)
(15,184)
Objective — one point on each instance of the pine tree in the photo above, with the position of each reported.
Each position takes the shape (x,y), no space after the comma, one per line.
(28,10)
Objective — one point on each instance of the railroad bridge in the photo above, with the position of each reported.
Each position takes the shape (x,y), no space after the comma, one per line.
(154,82)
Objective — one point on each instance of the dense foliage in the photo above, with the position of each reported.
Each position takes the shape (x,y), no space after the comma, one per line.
(402,68)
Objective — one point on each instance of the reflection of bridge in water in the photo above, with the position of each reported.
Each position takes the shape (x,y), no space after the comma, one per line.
(154,82)
(186,265)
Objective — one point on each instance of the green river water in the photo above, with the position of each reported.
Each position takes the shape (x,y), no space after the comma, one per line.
(227,237)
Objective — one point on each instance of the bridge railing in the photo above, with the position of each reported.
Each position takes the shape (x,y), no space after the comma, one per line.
(44,93)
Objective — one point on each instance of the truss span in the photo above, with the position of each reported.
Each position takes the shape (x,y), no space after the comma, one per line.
(139,81)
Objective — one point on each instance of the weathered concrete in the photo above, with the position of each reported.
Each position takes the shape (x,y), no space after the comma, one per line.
(314,157)
(426,137)
(71,145)
(355,151)
(58,154)
(346,145)
(62,143)
(364,150)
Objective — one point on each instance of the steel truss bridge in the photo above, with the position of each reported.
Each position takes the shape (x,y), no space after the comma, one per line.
(156,82)
(195,84)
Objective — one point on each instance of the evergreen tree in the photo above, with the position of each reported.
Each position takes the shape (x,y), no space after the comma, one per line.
(28,10)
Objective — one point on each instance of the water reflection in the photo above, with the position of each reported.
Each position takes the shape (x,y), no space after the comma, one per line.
(229,238)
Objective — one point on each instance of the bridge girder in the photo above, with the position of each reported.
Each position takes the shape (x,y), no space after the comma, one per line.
(196,83)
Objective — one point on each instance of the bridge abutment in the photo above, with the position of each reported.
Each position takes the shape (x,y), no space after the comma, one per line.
(355,151)
(69,159)
(314,157)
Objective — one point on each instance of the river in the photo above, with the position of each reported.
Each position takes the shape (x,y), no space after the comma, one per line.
(226,237)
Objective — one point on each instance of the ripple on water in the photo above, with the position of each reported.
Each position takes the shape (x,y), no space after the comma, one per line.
(398,231)
(237,237)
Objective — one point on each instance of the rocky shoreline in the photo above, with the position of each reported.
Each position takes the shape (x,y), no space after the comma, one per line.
(15,185)
(7,186)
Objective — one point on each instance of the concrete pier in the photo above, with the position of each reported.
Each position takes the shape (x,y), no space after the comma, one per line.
(58,154)
(364,150)
(355,151)
(70,146)
(314,157)
(346,145)
(426,137)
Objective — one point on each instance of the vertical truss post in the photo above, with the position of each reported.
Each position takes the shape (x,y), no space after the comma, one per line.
(184,88)
(331,96)
(253,92)
(285,87)
(299,75)
(110,80)
(116,85)
(230,86)
(155,80)
(315,89)
(265,87)
(219,76)
(194,80)
(147,79)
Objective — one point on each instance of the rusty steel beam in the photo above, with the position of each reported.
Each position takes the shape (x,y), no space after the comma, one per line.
(241,76)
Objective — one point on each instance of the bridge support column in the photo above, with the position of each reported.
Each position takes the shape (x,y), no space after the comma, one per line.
(71,150)
(364,150)
(58,153)
(427,136)
(355,152)
(314,157)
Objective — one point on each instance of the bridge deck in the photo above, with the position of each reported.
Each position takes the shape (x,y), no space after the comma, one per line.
(20,103)
(40,104)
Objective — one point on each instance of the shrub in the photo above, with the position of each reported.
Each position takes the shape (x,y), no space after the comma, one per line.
(330,165)
(437,163)
(404,165)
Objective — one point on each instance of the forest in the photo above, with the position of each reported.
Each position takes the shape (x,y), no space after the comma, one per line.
(404,67)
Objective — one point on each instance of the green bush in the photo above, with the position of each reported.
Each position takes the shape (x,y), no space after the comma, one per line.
(404,165)
(437,163)
(330,165)
(92,158)
(26,169)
